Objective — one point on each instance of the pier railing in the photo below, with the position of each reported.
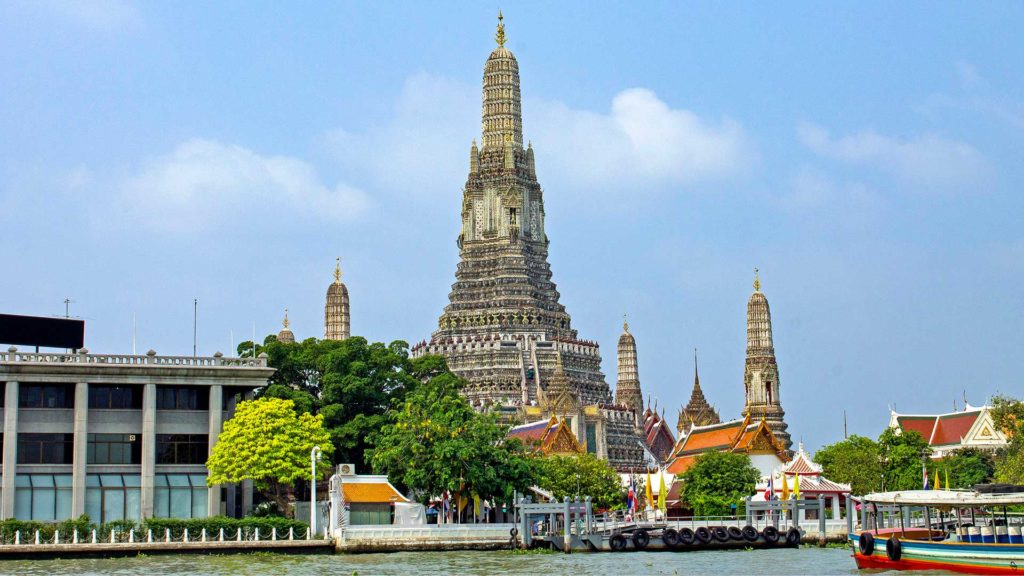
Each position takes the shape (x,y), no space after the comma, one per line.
(131,536)
(151,358)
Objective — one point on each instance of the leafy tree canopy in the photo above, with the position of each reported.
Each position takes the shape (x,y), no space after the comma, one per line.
(854,461)
(718,480)
(435,441)
(966,467)
(1008,414)
(901,455)
(580,476)
(268,443)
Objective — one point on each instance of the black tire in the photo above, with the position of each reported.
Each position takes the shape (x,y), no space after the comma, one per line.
(793,537)
(893,549)
(670,537)
(735,533)
(770,534)
(703,535)
(749,533)
(641,539)
(617,542)
(686,537)
(513,532)
(866,545)
(720,533)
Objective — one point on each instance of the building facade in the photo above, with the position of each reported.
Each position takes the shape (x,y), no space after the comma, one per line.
(118,436)
(761,371)
(504,329)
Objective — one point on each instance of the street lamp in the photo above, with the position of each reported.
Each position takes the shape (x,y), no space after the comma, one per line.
(314,456)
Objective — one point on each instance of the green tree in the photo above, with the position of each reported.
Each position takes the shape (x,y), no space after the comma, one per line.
(435,441)
(717,481)
(901,455)
(581,475)
(267,442)
(966,467)
(1008,414)
(854,461)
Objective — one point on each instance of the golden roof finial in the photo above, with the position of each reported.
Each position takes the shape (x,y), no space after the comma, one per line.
(337,269)
(625,324)
(286,318)
(500,36)
(757,281)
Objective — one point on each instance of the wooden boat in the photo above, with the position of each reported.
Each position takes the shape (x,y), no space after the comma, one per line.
(959,531)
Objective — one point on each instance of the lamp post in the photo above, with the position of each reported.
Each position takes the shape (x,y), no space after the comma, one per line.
(314,455)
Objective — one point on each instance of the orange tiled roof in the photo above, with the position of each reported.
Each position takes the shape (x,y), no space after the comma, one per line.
(714,437)
(371,492)
(950,428)
(923,425)
(681,464)
(800,465)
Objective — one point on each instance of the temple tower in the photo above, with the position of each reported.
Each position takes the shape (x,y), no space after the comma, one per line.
(285,335)
(697,412)
(627,388)
(336,310)
(504,330)
(761,372)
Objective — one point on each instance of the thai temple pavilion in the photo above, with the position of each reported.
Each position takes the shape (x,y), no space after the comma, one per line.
(972,427)
(755,438)
(504,330)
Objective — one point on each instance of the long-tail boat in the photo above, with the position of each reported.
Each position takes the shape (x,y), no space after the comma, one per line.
(969,531)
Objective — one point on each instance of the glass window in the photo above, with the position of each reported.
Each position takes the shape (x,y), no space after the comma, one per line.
(114,449)
(182,448)
(44,497)
(179,495)
(182,398)
(36,448)
(46,396)
(111,497)
(115,397)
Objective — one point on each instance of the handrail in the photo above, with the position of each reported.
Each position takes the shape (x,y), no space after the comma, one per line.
(13,355)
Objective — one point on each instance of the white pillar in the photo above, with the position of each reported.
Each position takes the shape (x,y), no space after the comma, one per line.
(148,448)
(216,418)
(10,449)
(836,511)
(81,451)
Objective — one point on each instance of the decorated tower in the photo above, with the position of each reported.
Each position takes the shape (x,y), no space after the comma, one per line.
(285,335)
(336,310)
(627,388)
(504,330)
(761,372)
(697,412)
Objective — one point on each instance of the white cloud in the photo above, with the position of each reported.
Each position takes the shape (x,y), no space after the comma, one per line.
(203,182)
(927,160)
(103,15)
(641,141)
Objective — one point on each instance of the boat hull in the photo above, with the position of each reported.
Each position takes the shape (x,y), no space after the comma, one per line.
(961,557)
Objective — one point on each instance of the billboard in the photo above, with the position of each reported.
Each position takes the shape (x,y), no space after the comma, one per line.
(41,331)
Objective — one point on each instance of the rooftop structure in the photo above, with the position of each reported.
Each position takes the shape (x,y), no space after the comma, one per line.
(972,427)
(285,335)
(337,320)
(551,436)
(761,371)
(753,438)
(627,387)
(697,412)
(658,436)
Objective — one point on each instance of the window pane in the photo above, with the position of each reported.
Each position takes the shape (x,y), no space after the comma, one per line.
(181,503)
(113,504)
(132,502)
(44,504)
(161,501)
(199,500)
(93,500)
(63,503)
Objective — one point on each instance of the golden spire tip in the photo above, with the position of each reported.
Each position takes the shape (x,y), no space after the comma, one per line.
(757,281)
(337,269)
(499,37)
(285,317)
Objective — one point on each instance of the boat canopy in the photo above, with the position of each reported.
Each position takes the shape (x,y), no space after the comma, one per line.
(946,499)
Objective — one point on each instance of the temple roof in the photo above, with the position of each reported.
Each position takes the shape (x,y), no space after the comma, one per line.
(370,490)
(941,429)
(551,436)
(732,436)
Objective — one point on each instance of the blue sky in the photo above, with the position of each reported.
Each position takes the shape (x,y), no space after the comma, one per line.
(865,156)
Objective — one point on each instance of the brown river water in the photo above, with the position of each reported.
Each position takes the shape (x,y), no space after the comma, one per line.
(807,560)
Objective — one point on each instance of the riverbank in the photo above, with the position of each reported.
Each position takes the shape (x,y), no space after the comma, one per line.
(807,560)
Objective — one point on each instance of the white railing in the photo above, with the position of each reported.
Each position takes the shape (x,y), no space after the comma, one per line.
(140,537)
(151,359)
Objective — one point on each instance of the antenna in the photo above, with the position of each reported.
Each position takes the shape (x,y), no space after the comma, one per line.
(845,434)
(67,307)
(133,333)
(195,324)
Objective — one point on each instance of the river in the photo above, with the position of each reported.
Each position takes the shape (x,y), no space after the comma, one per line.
(807,560)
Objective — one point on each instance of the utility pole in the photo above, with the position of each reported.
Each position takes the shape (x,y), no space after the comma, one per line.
(195,322)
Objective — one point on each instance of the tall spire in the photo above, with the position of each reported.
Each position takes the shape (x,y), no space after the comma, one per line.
(627,389)
(285,317)
(697,412)
(502,108)
(499,36)
(285,335)
(761,371)
(337,319)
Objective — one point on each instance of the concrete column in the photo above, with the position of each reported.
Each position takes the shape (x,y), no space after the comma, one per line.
(80,458)
(216,416)
(836,510)
(148,448)
(10,449)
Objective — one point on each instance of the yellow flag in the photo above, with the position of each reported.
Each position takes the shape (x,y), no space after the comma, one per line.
(662,493)
(649,494)
(785,488)
(947,478)
(796,488)
(938,483)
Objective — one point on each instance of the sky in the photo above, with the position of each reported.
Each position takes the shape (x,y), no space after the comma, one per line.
(865,156)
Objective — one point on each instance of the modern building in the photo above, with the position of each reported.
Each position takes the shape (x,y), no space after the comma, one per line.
(972,427)
(504,329)
(118,436)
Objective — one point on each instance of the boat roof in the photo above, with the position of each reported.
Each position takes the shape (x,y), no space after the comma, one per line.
(945,498)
